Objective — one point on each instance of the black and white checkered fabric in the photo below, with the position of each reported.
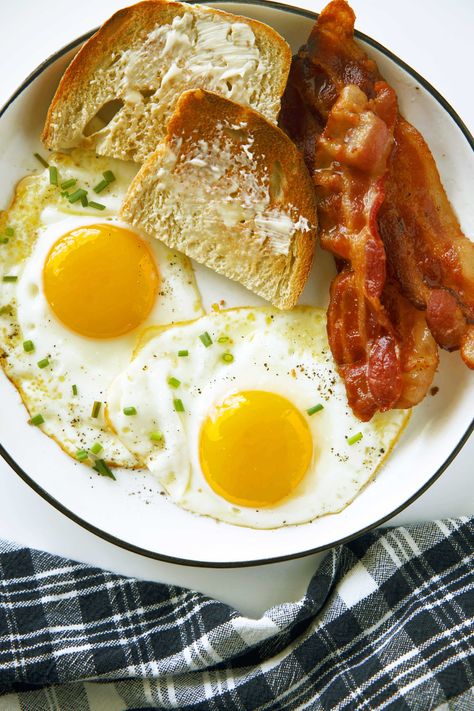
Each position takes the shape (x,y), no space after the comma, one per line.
(387,623)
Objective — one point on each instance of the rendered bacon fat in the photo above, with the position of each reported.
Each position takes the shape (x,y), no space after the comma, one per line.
(427,252)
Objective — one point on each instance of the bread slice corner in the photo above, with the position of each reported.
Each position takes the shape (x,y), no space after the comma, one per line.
(230,190)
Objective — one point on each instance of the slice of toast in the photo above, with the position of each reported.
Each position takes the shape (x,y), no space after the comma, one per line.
(230,190)
(120,90)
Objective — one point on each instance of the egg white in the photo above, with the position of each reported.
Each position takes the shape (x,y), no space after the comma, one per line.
(284,353)
(40,216)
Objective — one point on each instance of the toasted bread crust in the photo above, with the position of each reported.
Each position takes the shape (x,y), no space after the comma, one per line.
(128,28)
(196,116)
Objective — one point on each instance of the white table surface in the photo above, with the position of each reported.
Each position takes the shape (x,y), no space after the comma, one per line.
(434,37)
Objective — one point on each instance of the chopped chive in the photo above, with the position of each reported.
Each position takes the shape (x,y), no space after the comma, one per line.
(101,468)
(84,201)
(355,438)
(37,420)
(174,382)
(178,405)
(129,411)
(74,389)
(81,454)
(109,176)
(227,357)
(43,162)
(96,448)
(43,363)
(100,186)
(96,408)
(77,195)
(9,231)
(68,183)
(53,175)
(156,436)
(9,278)
(183,354)
(205,338)
(4,240)
(96,205)
(314,409)
(223,339)
(28,346)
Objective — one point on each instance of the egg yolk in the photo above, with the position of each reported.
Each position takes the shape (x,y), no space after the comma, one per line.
(255,448)
(101,280)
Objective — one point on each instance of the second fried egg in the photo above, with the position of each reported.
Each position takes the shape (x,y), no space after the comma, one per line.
(242,417)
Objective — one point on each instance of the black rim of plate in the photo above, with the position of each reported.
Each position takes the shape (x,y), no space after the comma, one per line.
(263,561)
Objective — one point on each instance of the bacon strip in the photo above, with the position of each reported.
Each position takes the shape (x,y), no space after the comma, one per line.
(346,142)
(349,165)
(427,251)
(329,61)
(364,346)
(417,348)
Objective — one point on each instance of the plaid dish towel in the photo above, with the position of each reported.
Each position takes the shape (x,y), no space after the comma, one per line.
(386,623)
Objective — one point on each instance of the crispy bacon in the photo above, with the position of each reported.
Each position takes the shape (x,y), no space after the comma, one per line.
(417,348)
(427,251)
(329,61)
(350,162)
(346,142)
(349,165)
(364,346)
(380,342)
(430,261)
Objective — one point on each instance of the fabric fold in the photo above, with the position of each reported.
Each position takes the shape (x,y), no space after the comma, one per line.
(387,622)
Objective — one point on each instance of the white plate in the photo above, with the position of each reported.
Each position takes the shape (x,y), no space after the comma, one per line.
(130,512)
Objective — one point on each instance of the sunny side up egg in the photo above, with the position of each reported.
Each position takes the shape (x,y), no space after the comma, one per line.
(242,417)
(78,285)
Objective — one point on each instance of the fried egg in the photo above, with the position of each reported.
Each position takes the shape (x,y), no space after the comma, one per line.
(78,286)
(242,416)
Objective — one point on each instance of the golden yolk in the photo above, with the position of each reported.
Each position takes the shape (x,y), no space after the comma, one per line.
(101,280)
(255,448)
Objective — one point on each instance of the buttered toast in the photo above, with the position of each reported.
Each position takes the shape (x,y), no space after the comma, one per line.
(229,189)
(120,90)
